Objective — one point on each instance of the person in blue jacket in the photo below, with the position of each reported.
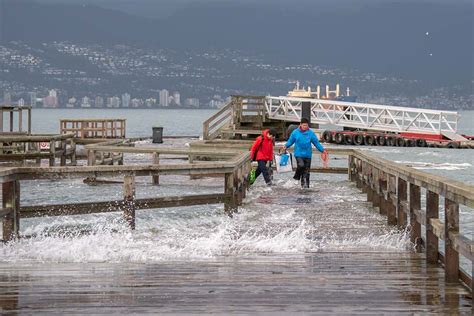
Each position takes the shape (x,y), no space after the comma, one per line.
(303,137)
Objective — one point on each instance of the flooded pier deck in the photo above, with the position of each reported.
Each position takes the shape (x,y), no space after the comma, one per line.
(319,283)
(286,251)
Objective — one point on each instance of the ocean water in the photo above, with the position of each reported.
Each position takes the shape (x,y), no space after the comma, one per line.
(276,219)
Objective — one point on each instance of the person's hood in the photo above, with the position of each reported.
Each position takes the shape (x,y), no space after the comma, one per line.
(265,134)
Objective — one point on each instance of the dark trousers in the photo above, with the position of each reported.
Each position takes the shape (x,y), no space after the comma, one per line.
(303,167)
(262,169)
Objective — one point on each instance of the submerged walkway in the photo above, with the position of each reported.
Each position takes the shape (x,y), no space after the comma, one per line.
(287,251)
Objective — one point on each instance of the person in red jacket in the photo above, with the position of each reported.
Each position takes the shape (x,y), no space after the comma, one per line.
(262,152)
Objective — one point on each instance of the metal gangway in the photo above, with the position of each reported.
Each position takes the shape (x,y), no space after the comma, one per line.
(364,115)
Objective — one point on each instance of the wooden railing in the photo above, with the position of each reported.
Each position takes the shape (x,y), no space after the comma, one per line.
(38,147)
(94,128)
(9,111)
(235,173)
(397,191)
(213,125)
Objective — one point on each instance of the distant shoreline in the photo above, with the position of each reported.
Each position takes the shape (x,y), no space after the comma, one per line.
(125,109)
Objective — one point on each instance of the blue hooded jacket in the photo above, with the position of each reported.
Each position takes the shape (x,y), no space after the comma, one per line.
(302,141)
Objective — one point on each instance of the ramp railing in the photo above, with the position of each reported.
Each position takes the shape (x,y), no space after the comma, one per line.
(213,125)
(364,115)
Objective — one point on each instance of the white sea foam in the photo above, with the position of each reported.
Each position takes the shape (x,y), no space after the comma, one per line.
(436,166)
(279,219)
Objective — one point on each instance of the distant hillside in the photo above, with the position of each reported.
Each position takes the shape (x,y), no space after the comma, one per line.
(29,21)
(410,39)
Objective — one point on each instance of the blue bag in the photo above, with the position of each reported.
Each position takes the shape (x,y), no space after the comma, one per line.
(284,159)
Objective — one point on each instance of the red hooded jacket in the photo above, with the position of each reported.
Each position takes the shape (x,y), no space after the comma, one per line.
(263,146)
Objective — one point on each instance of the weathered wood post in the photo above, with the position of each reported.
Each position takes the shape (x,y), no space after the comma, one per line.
(391,208)
(370,183)
(432,211)
(415,206)
(402,199)
(91,157)
(238,185)
(365,177)
(63,152)
(358,173)
(129,197)
(230,205)
(156,161)
(11,200)
(37,149)
(191,159)
(376,195)
(73,152)
(52,151)
(383,191)
(451,225)
(350,166)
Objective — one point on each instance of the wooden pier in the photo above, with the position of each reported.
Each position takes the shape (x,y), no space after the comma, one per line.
(429,280)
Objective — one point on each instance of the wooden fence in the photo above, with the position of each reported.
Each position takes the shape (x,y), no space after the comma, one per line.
(29,147)
(397,191)
(93,128)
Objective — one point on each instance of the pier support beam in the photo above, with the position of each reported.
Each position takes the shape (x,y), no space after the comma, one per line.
(230,206)
(156,161)
(451,225)
(415,206)
(11,200)
(391,208)
(402,198)
(129,197)
(383,193)
(432,211)
(91,157)
(52,150)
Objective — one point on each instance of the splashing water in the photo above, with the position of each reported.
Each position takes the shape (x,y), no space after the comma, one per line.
(331,216)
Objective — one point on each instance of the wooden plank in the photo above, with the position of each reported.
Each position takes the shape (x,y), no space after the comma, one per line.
(376,283)
(25,156)
(118,205)
(462,245)
(35,138)
(432,212)
(451,225)
(161,150)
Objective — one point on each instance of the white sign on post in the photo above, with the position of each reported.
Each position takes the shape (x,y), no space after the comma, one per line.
(44,146)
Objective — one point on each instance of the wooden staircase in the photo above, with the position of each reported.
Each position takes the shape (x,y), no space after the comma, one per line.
(244,117)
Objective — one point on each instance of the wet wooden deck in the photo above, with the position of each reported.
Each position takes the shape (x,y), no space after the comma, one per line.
(319,283)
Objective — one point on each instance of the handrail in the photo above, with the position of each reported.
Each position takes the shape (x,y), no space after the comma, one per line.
(216,122)
(35,137)
(459,192)
(364,115)
(396,190)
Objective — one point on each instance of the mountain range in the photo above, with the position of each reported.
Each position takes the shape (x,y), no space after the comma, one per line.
(426,40)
